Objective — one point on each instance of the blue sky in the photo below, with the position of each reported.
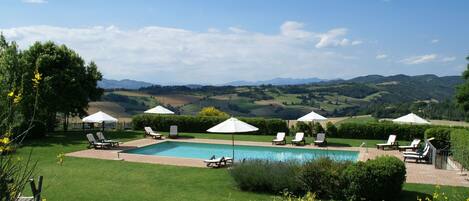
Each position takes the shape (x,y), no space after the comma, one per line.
(213,42)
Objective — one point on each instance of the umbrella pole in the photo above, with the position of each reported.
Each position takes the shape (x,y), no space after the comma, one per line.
(103,127)
(232,144)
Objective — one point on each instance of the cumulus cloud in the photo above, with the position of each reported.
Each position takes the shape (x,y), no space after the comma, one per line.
(420,59)
(434,41)
(34,1)
(334,38)
(171,55)
(381,56)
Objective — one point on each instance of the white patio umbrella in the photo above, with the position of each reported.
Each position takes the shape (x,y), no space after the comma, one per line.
(312,116)
(411,119)
(159,110)
(99,117)
(232,125)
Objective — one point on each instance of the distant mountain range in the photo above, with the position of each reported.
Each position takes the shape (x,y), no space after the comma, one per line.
(276,81)
(368,79)
(122,84)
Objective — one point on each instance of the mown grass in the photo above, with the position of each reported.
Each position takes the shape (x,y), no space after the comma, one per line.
(93,179)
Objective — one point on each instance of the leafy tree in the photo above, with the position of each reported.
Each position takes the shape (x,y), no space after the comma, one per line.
(462,91)
(69,84)
(212,111)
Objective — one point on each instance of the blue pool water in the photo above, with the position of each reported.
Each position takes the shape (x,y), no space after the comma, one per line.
(205,151)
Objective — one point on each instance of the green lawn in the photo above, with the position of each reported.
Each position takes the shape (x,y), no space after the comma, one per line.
(92,179)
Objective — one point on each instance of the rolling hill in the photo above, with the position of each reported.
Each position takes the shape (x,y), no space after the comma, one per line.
(361,95)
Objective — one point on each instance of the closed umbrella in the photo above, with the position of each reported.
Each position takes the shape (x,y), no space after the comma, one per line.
(411,119)
(232,125)
(159,110)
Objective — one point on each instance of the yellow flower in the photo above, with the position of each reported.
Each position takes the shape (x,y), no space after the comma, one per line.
(60,158)
(11,94)
(37,78)
(17,98)
(6,140)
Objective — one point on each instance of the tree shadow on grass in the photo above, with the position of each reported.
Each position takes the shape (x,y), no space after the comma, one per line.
(412,195)
(78,137)
(337,144)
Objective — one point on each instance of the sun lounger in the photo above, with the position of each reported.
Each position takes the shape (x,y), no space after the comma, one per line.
(418,157)
(215,162)
(299,138)
(96,144)
(427,146)
(413,145)
(320,139)
(173,132)
(150,132)
(280,139)
(390,143)
(101,138)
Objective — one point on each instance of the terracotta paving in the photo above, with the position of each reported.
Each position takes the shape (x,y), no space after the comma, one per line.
(416,173)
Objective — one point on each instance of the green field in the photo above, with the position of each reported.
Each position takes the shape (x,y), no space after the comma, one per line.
(93,179)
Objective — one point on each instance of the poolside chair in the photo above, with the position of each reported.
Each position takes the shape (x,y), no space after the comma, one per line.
(36,191)
(299,138)
(413,145)
(390,143)
(228,160)
(280,139)
(427,146)
(215,162)
(418,157)
(96,144)
(320,139)
(101,138)
(150,132)
(173,131)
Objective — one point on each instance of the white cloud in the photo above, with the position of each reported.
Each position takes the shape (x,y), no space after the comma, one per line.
(448,59)
(381,56)
(169,55)
(237,30)
(420,59)
(434,41)
(34,1)
(334,38)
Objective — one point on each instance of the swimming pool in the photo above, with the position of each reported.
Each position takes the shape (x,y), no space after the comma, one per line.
(205,151)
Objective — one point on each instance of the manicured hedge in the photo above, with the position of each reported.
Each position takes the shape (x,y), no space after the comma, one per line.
(378,179)
(439,133)
(380,130)
(460,146)
(200,124)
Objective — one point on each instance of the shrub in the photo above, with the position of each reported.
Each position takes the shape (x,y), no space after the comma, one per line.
(438,133)
(331,129)
(266,176)
(385,175)
(200,124)
(460,146)
(317,128)
(305,128)
(323,176)
(212,112)
(381,130)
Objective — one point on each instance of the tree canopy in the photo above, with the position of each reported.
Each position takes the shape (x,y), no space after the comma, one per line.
(462,93)
(68,83)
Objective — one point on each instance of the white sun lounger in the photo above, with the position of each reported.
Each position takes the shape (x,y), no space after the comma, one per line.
(150,132)
(320,139)
(96,144)
(418,157)
(299,138)
(101,138)
(280,139)
(215,162)
(427,146)
(173,131)
(390,143)
(413,145)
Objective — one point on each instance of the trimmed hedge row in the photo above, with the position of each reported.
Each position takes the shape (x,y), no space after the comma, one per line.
(380,130)
(378,179)
(460,146)
(200,124)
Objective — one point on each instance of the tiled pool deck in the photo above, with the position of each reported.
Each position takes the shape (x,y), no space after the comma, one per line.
(416,173)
